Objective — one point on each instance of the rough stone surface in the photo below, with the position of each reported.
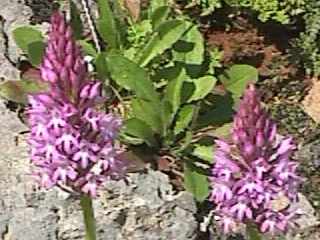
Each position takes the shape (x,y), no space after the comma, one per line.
(41,10)
(142,208)
(13,13)
(7,69)
(308,222)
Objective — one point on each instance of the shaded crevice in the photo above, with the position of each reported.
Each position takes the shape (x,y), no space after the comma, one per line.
(6,41)
(5,233)
(203,210)
(41,10)
(56,211)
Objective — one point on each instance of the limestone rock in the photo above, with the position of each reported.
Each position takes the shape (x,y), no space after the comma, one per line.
(14,13)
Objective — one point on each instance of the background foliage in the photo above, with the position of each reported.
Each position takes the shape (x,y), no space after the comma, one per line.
(278,10)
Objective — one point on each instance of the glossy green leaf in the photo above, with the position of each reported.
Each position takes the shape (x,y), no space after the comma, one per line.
(125,72)
(147,112)
(35,52)
(203,152)
(163,38)
(166,74)
(102,68)
(173,89)
(154,5)
(186,141)
(203,86)
(236,78)
(131,76)
(223,131)
(75,21)
(187,91)
(219,112)
(159,16)
(196,183)
(138,128)
(88,48)
(128,139)
(23,36)
(107,25)
(190,48)
(18,91)
(184,118)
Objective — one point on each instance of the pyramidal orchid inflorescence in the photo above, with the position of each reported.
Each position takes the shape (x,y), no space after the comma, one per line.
(253,179)
(72,143)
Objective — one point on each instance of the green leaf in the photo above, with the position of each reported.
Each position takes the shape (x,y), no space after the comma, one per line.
(164,37)
(219,112)
(203,86)
(203,152)
(166,74)
(154,5)
(196,183)
(107,25)
(101,67)
(88,48)
(75,21)
(184,118)
(138,128)
(129,140)
(131,76)
(253,232)
(187,90)
(23,36)
(166,116)
(223,131)
(186,141)
(159,16)
(18,91)
(173,89)
(35,52)
(146,111)
(124,71)
(190,48)
(237,78)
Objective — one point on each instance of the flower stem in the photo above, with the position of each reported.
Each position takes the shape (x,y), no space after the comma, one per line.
(253,233)
(88,215)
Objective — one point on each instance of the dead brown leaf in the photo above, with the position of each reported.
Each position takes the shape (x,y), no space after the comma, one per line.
(133,7)
(311,102)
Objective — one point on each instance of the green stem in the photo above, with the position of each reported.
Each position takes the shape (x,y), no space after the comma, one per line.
(88,215)
(253,233)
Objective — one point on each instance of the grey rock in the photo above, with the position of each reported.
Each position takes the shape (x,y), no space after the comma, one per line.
(139,210)
(7,69)
(309,218)
(309,223)
(14,13)
(145,208)
(32,223)
(41,10)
